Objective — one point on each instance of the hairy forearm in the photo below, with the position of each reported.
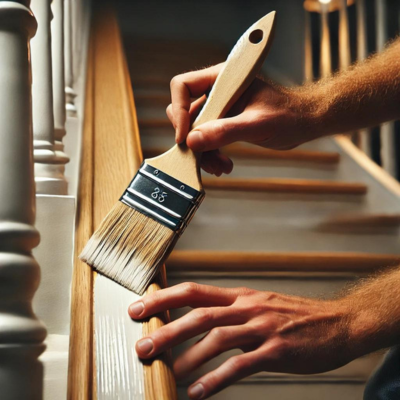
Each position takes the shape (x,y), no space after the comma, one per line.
(365,95)
(373,313)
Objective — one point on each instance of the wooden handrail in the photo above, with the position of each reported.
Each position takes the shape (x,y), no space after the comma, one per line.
(260,153)
(249,262)
(285,185)
(111,156)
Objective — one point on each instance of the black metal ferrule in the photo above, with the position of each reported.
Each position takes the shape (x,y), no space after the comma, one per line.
(162,198)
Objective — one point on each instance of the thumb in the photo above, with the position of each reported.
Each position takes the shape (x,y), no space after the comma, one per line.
(218,133)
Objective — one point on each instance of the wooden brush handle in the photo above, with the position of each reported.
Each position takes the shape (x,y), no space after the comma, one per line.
(239,70)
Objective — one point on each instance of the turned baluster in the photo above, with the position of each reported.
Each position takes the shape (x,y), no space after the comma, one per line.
(69,66)
(57,51)
(387,129)
(49,163)
(308,58)
(344,39)
(325,61)
(364,134)
(21,334)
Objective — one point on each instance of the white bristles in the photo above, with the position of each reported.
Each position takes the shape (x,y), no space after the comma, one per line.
(128,247)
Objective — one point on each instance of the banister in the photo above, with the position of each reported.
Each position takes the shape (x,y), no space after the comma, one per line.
(111,155)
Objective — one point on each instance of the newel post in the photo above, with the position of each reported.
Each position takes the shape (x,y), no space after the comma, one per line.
(49,162)
(21,334)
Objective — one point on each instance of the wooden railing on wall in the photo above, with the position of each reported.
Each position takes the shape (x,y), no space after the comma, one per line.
(110,157)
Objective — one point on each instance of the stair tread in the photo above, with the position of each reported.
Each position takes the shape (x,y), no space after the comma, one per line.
(256,153)
(285,185)
(220,261)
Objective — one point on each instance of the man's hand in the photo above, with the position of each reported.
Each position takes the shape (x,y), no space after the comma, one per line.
(266,114)
(275,332)
(281,118)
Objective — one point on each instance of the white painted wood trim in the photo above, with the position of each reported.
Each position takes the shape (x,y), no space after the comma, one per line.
(69,66)
(21,333)
(379,174)
(57,51)
(49,162)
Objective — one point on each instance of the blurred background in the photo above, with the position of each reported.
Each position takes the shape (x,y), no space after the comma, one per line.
(163,39)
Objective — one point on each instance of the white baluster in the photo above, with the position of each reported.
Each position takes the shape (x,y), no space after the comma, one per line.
(69,66)
(308,67)
(49,163)
(21,334)
(77,34)
(344,39)
(57,51)
(364,134)
(387,129)
(325,61)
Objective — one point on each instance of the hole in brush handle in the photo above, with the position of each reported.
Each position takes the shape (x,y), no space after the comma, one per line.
(256,36)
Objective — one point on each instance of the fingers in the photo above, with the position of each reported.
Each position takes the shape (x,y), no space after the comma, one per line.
(217,341)
(194,110)
(190,325)
(216,163)
(218,133)
(182,295)
(183,88)
(234,369)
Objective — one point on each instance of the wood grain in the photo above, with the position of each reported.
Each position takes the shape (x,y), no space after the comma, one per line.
(159,379)
(117,154)
(285,185)
(238,151)
(248,262)
(80,368)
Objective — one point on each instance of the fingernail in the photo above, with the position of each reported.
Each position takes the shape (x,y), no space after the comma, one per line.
(197,140)
(145,346)
(196,392)
(136,309)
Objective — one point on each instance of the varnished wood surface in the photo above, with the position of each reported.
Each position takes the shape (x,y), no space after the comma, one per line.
(370,221)
(259,153)
(159,379)
(284,185)
(111,156)
(247,262)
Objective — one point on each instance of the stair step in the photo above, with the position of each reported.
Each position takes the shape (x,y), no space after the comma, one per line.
(383,223)
(260,153)
(285,186)
(257,262)
(148,99)
(155,123)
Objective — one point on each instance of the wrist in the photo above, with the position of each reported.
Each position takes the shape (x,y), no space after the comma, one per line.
(311,112)
(364,328)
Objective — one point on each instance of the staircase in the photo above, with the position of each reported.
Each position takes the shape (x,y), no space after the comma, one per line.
(306,222)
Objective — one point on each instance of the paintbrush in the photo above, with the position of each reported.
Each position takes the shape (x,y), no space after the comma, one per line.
(142,228)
